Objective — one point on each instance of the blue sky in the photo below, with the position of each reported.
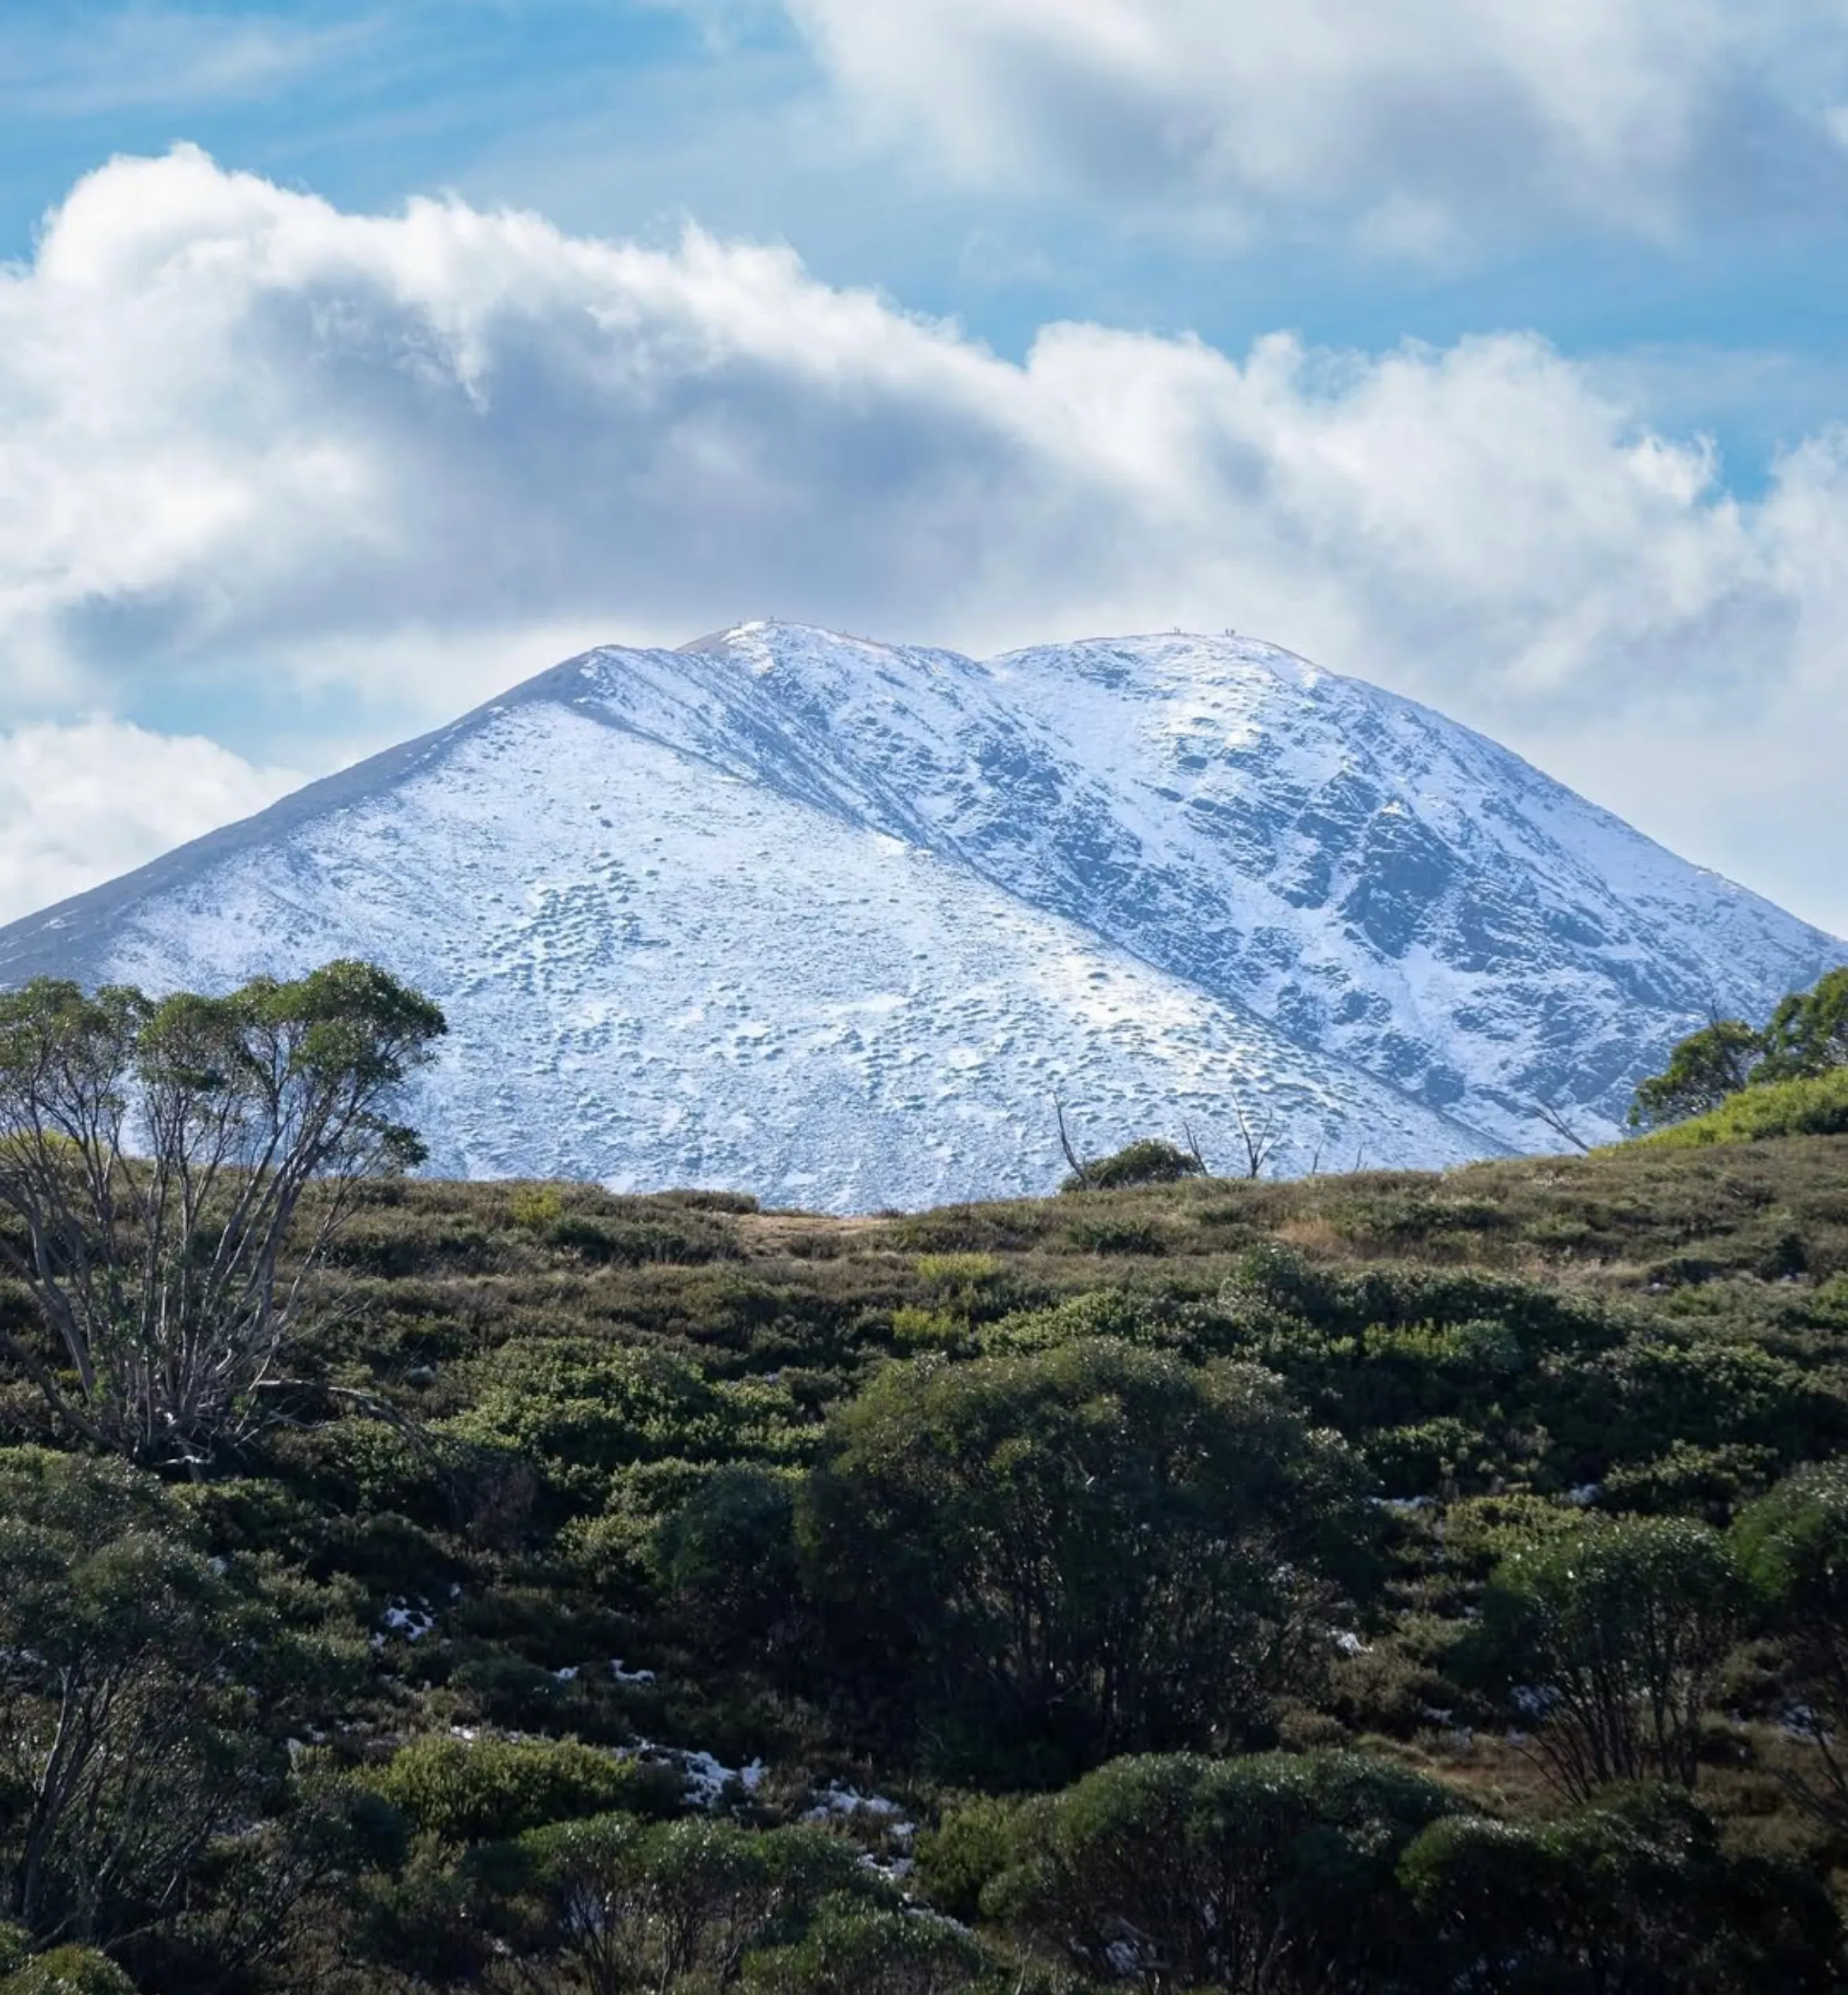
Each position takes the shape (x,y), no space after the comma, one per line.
(1495,355)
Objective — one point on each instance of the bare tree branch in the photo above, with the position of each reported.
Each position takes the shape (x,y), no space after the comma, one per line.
(1259,1136)
(1556,1121)
(1080,1170)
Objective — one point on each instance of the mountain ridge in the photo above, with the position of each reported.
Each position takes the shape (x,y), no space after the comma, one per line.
(1388,925)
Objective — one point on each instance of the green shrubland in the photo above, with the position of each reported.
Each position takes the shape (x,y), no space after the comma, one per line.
(1386,1581)
(1811,1105)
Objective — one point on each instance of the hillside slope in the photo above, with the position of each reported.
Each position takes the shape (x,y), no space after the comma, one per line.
(832,921)
(617,1579)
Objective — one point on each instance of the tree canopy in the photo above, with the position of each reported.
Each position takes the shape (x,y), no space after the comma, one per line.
(1806,1036)
(1703,1069)
(154,1156)
(1807,1033)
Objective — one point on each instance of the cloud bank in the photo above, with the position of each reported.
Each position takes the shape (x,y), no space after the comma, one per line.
(1421,127)
(82,802)
(252,447)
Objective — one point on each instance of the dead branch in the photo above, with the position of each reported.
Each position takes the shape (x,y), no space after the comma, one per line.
(1258,1138)
(1080,1170)
(1555,1120)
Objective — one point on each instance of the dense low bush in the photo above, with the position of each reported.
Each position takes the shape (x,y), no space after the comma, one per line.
(1149,1161)
(1254,1585)
(1082,1549)
(1272,1871)
(1816,1105)
(1609,1642)
(1635,1892)
(489,1790)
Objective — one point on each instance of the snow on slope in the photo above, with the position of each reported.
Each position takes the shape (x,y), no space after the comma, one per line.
(831,920)
(659,974)
(1379,882)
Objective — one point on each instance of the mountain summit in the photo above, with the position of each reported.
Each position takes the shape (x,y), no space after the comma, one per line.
(834,920)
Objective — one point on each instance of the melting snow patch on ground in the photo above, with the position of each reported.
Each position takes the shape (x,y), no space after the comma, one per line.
(408,1623)
(883,1823)
(707,1778)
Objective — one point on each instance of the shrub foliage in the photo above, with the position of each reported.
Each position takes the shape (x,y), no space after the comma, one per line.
(1391,1581)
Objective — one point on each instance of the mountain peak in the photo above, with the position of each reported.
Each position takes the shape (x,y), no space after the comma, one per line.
(831,920)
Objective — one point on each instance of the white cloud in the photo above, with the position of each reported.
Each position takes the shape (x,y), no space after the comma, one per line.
(82,802)
(1425,124)
(248,440)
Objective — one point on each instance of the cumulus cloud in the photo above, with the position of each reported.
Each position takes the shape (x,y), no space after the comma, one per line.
(81,802)
(1422,125)
(248,440)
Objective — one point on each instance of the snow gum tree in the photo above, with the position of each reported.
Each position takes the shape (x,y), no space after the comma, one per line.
(1806,1036)
(1807,1033)
(171,1173)
(1702,1072)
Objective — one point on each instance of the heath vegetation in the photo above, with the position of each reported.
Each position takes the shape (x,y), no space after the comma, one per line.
(1181,1583)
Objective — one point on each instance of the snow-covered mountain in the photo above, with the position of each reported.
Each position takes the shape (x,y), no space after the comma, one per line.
(832,920)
